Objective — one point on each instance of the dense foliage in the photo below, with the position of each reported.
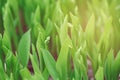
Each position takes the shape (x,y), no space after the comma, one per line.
(59,39)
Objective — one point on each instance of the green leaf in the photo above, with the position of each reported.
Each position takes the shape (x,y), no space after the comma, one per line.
(28,9)
(64,30)
(0,46)
(3,75)
(8,19)
(26,75)
(9,23)
(50,64)
(108,68)
(24,49)
(62,60)
(77,35)
(45,74)
(37,76)
(90,28)
(80,68)
(116,66)
(35,57)
(49,27)
(58,15)
(15,12)
(36,16)
(12,64)
(11,76)
(40,39)
(14,5)
(9,63)
(75,20)
(78,75)
(6,40)
(105,39)
(99,75)
(34,65)
(40,44)
(89,32)
(84,71)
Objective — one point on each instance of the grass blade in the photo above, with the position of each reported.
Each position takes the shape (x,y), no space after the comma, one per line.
(50,64)
(62,60)
(24,49)
(99,75)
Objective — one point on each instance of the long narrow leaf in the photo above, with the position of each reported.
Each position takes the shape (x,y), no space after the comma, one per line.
(62,60)
(24,49)
(50,64)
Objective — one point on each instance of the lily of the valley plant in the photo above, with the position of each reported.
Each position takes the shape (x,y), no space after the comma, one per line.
(59,39)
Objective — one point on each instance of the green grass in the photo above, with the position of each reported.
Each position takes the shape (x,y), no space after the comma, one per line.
(57,38)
